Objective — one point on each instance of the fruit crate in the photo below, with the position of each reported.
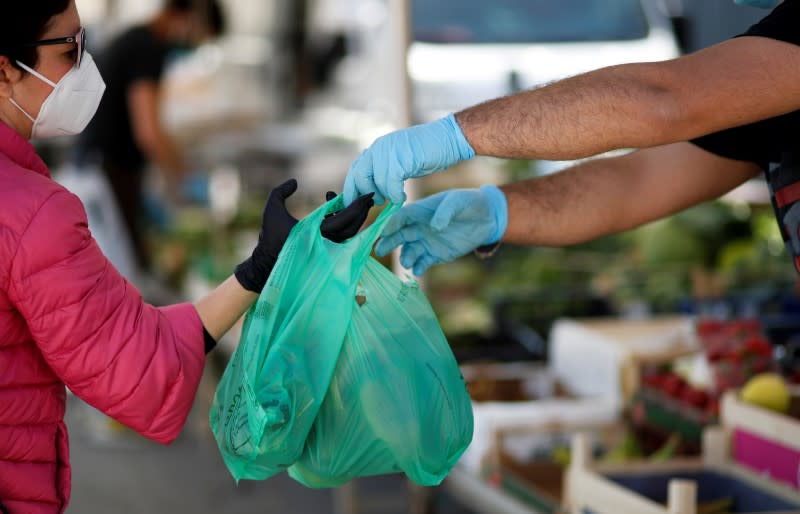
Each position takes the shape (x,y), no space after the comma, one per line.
(538,478)
(654,412)
(522,412)
(765,441)
(510,382)
(715,483)
(609,356)
(731,352)
(514,403)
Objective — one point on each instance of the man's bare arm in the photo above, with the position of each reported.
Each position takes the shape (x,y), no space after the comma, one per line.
(609,195)
(144,105)
(641,105)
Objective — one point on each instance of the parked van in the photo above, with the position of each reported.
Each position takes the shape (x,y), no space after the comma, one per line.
(467,51)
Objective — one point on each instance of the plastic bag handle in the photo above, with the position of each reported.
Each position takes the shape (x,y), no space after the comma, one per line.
(373,232)
(366,237)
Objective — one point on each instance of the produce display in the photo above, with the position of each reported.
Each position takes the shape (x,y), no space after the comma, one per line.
(679,399)
(736,351)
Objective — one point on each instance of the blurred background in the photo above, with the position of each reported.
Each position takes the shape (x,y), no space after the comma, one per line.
(297,88)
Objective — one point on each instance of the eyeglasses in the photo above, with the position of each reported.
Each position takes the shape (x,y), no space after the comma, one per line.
(78,39)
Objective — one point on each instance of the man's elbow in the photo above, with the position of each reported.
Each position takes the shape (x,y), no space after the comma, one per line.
(673,114)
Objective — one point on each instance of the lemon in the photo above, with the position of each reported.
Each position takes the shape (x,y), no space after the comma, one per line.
(767,390)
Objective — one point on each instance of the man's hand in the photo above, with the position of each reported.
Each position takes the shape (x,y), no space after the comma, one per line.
(445,226)
(398,156)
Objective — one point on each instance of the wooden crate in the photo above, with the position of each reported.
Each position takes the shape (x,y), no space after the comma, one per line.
(690,486)
(540,483)
(764,441)
(510,382)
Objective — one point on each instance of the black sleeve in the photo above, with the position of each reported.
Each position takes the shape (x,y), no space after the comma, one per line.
(144,56)
(783,23)
(746,143)
(752,142)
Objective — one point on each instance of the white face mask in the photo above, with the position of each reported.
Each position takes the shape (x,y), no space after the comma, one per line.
(71,105)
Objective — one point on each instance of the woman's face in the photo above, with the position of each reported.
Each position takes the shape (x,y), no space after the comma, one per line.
(54,62)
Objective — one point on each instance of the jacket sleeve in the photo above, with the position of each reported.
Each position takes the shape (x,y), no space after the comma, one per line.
(139,364)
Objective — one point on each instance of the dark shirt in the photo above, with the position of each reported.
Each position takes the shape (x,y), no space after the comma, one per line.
(770,140)
(136,55)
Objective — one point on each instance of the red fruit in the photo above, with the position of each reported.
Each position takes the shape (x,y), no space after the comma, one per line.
(758,345)
(734,356)
(654,380)
(746,326)
(707,327)
(695,397)
(716,354)
(673,385)
(713,407)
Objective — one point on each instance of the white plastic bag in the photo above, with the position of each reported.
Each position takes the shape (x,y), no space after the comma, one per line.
(105,220)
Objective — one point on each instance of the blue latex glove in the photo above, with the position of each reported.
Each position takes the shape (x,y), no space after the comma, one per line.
(445,226)
(412,152)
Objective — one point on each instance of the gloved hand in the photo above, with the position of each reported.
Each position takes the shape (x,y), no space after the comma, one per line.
(277,223)
(445,226)
(412,152)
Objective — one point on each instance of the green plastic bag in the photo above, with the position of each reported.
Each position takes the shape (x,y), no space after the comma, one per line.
(342,371)
(397,401)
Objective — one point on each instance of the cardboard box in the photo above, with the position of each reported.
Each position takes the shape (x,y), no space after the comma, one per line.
(604,357)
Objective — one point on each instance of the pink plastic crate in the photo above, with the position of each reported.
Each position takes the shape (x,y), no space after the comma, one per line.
(767,457)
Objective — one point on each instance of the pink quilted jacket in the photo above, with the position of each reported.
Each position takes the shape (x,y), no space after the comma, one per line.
(67,317)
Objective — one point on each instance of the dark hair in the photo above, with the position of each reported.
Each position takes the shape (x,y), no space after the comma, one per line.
(180,5)
(209,11)
(216,18)
(27,23)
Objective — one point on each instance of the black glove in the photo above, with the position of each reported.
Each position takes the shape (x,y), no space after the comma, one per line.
(277,223)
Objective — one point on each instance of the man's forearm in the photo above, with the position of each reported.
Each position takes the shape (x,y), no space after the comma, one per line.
(168,157)
(565,208)
(641,105)
(610,195)
(617,107)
